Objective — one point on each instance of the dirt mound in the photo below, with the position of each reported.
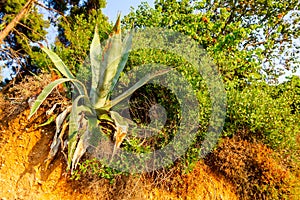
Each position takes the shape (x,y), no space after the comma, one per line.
(24,174)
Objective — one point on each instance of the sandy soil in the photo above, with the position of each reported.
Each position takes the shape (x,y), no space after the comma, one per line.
(24,174)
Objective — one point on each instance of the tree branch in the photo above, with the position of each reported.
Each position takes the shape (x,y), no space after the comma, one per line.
(14,22)
(43,37)
(50,9)
(264,42)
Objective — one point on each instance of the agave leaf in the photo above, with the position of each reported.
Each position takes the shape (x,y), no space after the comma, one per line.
(61,117)
(105,117)
(63,143)
(49,121)
(95,57)
(55,143)
(119,138)
(111,59)
(76,116)
(126,50)
(117,27)
(63,69)
(122,125)
(73,130)
(120,121)
(79,151)
(59,64)
(83,142)
(46,91)
(136,86)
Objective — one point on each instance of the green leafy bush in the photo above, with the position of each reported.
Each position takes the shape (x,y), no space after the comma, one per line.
(169,101)
(259,112)
(92,168)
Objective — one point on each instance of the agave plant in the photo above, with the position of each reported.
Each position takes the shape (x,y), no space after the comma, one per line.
(106,66)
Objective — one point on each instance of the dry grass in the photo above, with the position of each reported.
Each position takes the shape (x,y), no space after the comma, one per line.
(253,170)
(201,183)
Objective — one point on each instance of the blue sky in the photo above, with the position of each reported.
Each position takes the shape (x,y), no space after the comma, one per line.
(123,6)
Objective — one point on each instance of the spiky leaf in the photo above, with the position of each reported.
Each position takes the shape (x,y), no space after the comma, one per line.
(46,91)
(56,142)
(125,53)
(75,129)
(136,86)
(97,70)
(88,129)
(59,64)
(111,59)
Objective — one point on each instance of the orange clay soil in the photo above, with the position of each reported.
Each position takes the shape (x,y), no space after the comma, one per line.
(24,174)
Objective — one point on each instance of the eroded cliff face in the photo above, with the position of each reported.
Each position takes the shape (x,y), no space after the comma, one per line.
(24,174)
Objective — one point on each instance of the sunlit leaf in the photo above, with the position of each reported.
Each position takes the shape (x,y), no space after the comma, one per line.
(46,91)
(73,129)
(95,57)
(136,86)
(125,53)
(111,58)
(49,121)
(59,64)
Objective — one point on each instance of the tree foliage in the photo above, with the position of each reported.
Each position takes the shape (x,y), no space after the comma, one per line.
(73,20)
(17,48)
(249,40)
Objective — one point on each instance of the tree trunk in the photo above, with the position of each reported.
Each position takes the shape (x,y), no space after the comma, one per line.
(14,22)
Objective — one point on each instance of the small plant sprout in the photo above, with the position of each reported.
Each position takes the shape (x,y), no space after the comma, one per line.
(106,66)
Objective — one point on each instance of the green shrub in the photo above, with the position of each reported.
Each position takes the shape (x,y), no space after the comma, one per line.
(257,113)
(166,98)
(94,168)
